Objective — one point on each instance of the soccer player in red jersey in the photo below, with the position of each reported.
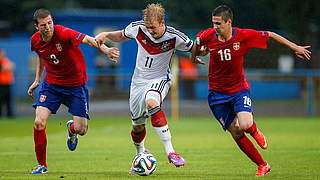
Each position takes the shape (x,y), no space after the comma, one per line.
(229,97)
(64,83)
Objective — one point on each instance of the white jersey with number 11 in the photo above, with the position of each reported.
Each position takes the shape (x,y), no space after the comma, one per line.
(154,55)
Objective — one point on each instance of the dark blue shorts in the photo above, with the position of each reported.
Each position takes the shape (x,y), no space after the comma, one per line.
(75,98)
(225,107)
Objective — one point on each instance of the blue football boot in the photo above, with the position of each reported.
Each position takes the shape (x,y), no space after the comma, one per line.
(72,140)
(40,169)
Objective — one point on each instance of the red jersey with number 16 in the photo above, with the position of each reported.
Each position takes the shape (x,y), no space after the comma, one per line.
(226,73)
(63,60)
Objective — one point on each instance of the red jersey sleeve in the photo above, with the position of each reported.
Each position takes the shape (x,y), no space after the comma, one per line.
(33,42)
(204,36)
(256,39)
(73,37)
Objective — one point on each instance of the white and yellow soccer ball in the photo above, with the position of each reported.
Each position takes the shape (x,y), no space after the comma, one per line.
(144,164)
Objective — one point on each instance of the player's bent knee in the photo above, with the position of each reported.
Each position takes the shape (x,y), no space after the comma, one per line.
(39,123)
(81,129)
(151,103)
(245,126)
(138,128)
(245,120)
(82,132)
(153,99)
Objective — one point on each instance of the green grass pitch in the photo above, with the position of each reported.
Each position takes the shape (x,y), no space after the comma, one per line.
(106,151)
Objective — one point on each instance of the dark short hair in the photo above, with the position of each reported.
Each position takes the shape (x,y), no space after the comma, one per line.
(40,13)
(224,11)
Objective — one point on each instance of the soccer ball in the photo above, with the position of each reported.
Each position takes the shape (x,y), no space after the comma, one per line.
(144,164)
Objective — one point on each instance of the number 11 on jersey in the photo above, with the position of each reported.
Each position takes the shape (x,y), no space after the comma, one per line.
(148,62)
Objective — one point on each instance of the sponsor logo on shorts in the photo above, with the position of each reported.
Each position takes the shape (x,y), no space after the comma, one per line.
(42,98)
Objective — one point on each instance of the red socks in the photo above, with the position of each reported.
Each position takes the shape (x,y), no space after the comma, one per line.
(72,130)
(252,130)
(138,137)
(250,150)
(40,145)
(159,119)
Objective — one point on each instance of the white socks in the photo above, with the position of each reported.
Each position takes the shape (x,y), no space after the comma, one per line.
(165,137)
(139,146)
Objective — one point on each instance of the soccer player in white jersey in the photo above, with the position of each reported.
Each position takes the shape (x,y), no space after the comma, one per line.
(151,80)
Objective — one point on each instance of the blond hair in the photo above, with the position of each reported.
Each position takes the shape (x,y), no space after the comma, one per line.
(154,12)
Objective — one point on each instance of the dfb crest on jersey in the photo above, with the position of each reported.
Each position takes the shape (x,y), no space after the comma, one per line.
(144,41)
(42,98)
(236,46)
(59,47)
(165,46)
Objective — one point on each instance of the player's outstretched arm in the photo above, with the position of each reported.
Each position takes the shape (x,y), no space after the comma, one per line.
(112,53)
(115,36)
(300,51)
(90,41)
(36,82)
(195,52)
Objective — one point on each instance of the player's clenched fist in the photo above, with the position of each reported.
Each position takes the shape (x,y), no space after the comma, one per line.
(32,87)
(113,54)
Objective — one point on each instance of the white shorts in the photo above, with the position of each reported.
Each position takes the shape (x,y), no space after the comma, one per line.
(138,91)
